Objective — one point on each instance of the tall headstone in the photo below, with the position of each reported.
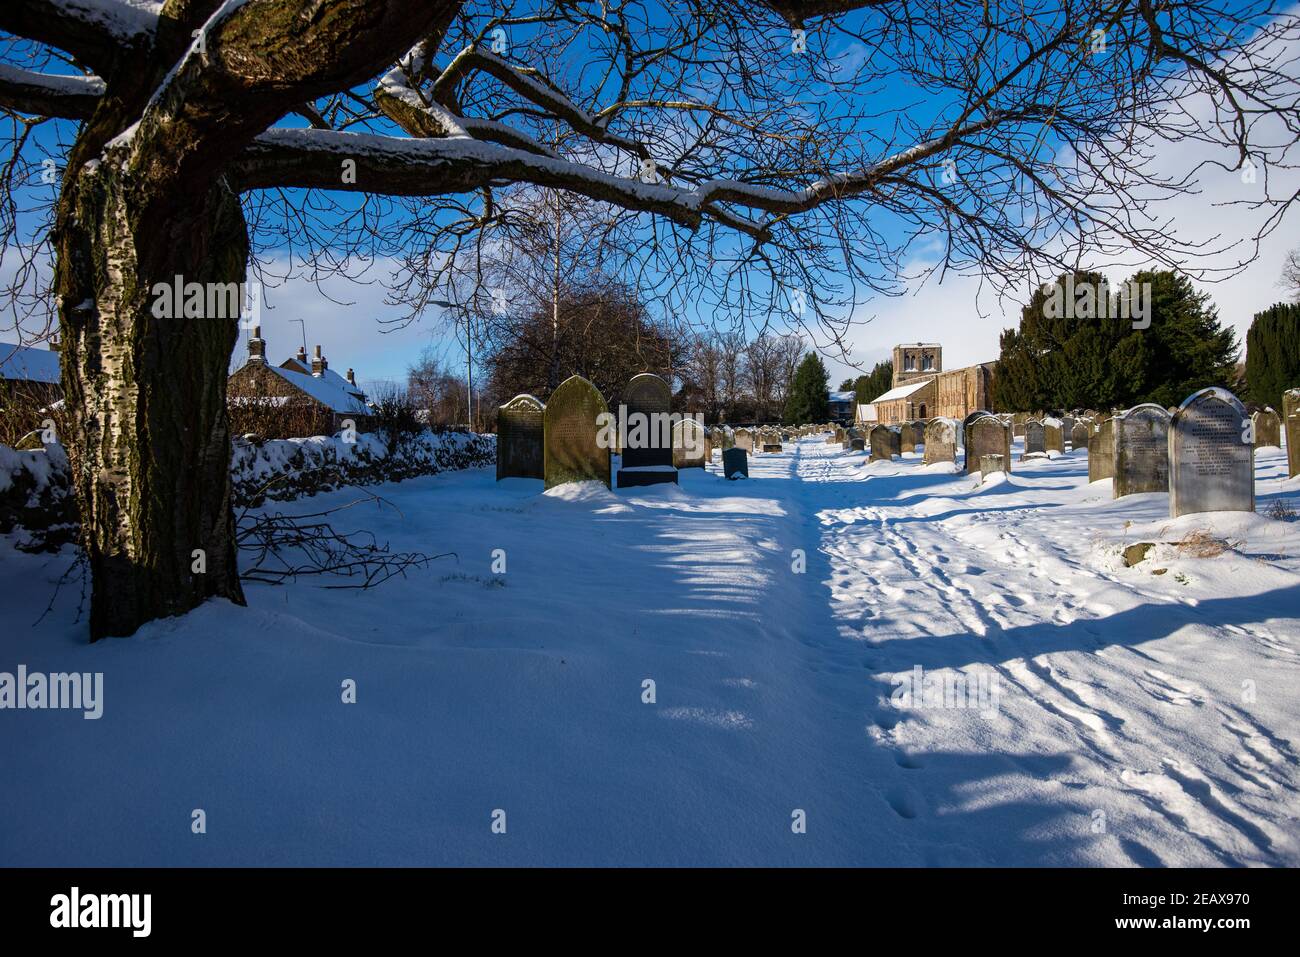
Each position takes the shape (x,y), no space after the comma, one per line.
(1141,437)
(940,441)
(743,439)
(572,451)
(987,435)
(1079,434)
(907,438)
(520,442)
(884,443)
(648,455)
(689,444)
(1053,435)
(1268,429)
(1291,420)
(1101,451)
(1211,456)
(1035,441)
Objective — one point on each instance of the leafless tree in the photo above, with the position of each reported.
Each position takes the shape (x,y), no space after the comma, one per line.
(734,164)
(1290,280)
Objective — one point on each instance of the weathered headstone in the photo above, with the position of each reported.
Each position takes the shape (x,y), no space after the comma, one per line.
(1053,435)
(689,444)
(1291,419)
(940,441)
(520,442)
(992,463)
(1141,441)
(987,435)
(743,439)
(648,455)
(1035,441)
(572,452)
(1268,429)
(1211,455)
(1079,434)
(907,438)
(858,445)
(735,463)
(884,443)
(1101,451)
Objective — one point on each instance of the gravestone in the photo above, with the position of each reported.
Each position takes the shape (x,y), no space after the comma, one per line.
(987,435)
(735,463)
(1079,434)
(1035,440)
(1211,457)
(858,445)
(520,452)
(572,452)
(1101,451)
(1067,428)
(689,444)
(743,439)
(1268,429)
(648,456)
(992,463)
(1141,437)
(940,441)
(906,438)
(1291,419)
(884,443)
(1053,435)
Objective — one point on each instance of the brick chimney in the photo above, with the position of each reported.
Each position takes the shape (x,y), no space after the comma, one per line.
(54,344)
(352,378)
(318,364)
(256,346)
(302,356)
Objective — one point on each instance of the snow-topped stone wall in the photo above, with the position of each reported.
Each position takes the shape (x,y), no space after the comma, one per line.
(35,492)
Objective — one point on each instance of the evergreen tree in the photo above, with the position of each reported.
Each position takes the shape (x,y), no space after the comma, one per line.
(880,381)
(846,385)
(1273,353)
(1095,358)
(807,401)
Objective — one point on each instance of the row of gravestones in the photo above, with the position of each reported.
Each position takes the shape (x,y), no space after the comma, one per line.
(1203,454)
(559,441)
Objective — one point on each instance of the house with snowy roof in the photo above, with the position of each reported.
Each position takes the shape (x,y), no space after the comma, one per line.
(31,370)
(299,389)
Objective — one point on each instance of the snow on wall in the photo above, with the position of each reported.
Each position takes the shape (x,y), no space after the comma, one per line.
(35,492)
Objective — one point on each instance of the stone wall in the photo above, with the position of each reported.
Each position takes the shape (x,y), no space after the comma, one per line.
(35,494)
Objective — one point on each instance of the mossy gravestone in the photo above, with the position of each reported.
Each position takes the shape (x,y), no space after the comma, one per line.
(1053,435)
(1291,419)
(987,435)
(572,453)
(1101,451)
(907,438)
(1268,429)
(940,441)
(1211,455)
(1141,450)
(648,455)
(520,452)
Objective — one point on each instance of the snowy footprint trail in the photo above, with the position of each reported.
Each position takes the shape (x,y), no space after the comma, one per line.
(1141,719)
(684,675)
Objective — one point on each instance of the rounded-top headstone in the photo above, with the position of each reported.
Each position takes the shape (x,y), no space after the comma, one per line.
(1211,455)
(572,448)
(520,438)
(1141,450)
(649,395)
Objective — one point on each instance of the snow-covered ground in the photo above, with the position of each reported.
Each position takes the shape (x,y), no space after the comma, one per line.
(1130,718)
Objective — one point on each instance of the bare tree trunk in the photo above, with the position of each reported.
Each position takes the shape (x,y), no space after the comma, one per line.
(146,395)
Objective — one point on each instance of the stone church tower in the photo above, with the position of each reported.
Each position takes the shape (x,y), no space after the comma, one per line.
(917,359)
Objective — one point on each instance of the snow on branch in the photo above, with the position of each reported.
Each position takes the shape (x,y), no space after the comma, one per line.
(46,94)
(95,31)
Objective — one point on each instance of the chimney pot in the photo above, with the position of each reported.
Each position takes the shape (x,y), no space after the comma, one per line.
(318,365)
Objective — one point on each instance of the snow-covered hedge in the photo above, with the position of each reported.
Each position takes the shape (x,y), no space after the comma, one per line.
(282,469)
(36,495)
(35,492)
